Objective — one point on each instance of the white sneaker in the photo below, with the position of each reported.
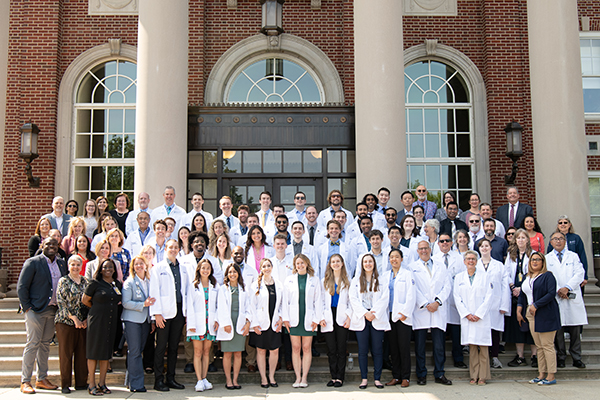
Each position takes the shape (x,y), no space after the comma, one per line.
(496,363)
(207,384)
(200,386)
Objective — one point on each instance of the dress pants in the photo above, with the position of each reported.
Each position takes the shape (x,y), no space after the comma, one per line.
(438,338)
(479,362)
(457,354)
(370,337)
(400,349)
(336,349)
(71,346)
(149,350)
(168,339)
(495,348)
(545,344)
(40,331)
(136,335)
(574,345)
(250,353)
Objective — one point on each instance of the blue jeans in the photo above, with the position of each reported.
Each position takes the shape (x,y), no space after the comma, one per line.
(136,335)
(374,338)
(438,338)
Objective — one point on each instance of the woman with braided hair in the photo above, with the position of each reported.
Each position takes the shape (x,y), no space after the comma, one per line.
(266,301)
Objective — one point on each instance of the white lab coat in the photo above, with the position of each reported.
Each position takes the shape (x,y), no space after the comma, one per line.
(249,275)
(134,244)
(456,265)
(474,299)
(308,250)
(162,288)
(312,299)
(282,269)
(498,279)
(131,224)
(177,213)
(196,309)
(224,312)
(511,269)
(382,267)
(381,299)
(428,286)
(259,305)
(323,251)
(568,273)
(189,217)
(325,216)
(404,296)
(190,263)
(251,262)
(344,308)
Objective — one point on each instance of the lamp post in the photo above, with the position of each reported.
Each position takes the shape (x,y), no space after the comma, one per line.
(514,148)
(272,17)
(29,150)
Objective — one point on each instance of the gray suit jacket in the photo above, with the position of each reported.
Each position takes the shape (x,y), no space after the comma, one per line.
(65,226)
(34,287)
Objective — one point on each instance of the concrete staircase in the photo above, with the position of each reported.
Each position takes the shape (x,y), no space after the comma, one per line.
(12,341)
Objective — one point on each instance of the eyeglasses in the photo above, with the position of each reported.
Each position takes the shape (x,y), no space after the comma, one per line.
(418,212)
(445,241)
(510,234)
(536,260)
(558,239)
(72,205)
(335,195)
(390,215)
(302,197)
(421,191)
(474,221)
(563,222)
(423,248)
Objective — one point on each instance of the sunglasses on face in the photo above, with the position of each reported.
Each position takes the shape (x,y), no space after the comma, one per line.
(299,197)
(444,240)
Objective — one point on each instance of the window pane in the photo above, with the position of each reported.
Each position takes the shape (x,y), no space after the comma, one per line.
(292,161)
(115,121)
(232,161)
(98,123)
(445,145)
(591,95)
(417,175)
(415,120)
(349,187)
(130,121)
(434,180)
(431,121)
(463,146)
(252,162)
(334,183)
(594,184)
(82,178)
(128,177)
(82,146)
(98,146)
(286,194)
(84,121)
(312,161)
(432,146)
(310,192)
(115,146)
(464,177)
(272,162)
(462,121)
(113,178)
(98,178)
(194,185)
(254,194)
(129,146)
(416,149)
(210,161)
(350,161)
(210,188)
(238,194)
(195,162)
(334,161)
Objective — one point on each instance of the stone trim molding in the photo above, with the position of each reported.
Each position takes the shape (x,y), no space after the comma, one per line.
(431,7)
(476,85)
(288,46)
(113,7)
(66,98)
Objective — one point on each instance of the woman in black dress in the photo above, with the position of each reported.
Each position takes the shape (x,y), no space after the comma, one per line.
(265,332)
(102,296)
(121,210)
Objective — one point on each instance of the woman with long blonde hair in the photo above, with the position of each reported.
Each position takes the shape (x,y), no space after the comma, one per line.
(337,314)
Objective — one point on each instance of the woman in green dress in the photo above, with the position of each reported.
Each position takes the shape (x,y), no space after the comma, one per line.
(302,314)
(233,317)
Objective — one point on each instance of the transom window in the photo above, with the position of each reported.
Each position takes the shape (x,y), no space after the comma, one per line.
(590,69)
(104,147)
(274,80)
(439,130)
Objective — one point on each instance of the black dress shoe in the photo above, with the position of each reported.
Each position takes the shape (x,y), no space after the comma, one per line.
(331,383)
(578,364)
(443,380)
(175,385)
(460,364)
(422,381)
(379,386)
(315,353)
(264,386)
(161,387)
(560,363)
(237,387)
(229,387)
(66,390)
(338,384)
(189,368)
(274,384)
(142,390)
(212,367)
(362,386)
(84,387)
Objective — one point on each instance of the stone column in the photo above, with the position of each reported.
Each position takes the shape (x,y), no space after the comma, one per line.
(561,181)
(379,98)
(161,117)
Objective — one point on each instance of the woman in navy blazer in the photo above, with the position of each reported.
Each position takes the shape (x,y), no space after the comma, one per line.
(538,294)
(137,319)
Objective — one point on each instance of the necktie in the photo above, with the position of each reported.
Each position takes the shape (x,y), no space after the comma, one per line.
(169,208)
(336,243)
(446,259)
(453,228)
(229,222)
(560,257)
(311,235)
(263,219)
(511,218)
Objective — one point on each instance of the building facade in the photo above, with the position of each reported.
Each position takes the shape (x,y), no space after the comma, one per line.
(352,95)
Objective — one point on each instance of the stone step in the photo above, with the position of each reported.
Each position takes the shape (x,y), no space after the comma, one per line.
(12,325)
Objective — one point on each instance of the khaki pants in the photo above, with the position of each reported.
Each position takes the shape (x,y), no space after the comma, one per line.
(250,353)
(479,362)
(545,344)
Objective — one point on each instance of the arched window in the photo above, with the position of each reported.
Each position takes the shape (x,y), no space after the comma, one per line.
(439,129)
(104,131)
(274,80)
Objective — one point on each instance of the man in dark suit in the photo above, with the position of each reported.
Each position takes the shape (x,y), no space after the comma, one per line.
(452,224)
(407,200)
(58,219)
(36,289)
(513,213)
